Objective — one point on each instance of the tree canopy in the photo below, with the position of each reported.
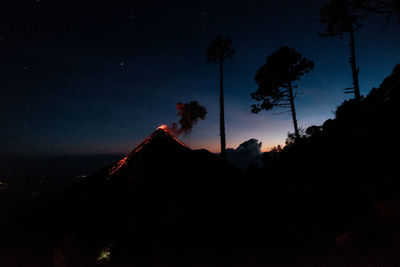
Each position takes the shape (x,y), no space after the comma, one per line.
(275,77)
(388,8)
(342,16)
(219,50)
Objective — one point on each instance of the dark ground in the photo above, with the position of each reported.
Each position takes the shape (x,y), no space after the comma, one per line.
(329,198)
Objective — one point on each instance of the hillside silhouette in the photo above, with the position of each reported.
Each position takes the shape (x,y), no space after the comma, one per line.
(161,195)
(327,196)
(353,145)
(345,171)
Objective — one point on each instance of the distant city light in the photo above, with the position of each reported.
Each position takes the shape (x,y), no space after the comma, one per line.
(104,254)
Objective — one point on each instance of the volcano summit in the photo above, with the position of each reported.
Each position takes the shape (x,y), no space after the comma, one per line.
(161,194)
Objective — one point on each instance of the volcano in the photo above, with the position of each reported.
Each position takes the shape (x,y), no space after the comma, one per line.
(161,194)
(159,144)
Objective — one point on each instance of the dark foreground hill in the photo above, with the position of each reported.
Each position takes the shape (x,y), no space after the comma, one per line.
(161,196)
(329,198)
(342,177)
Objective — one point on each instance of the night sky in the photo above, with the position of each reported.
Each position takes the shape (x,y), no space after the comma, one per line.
(98,77)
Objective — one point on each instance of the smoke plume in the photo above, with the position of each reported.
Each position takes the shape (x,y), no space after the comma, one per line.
(190,114)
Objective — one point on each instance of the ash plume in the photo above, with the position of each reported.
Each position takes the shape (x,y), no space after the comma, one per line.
(190,114)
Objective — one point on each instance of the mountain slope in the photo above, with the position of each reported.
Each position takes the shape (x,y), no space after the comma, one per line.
(161,194)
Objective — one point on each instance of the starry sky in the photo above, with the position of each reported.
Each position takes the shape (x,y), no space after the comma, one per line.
(97,77)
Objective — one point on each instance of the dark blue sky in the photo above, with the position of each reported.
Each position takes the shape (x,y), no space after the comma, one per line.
(99,77)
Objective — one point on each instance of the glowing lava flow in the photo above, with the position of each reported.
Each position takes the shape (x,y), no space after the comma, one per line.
(163,127)
(176,139)
(118,166)
(124,161)
(170,132)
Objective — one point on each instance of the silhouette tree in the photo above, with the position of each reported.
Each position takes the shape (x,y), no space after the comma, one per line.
(275,81)
(340,17)
(219,50)
(390,8)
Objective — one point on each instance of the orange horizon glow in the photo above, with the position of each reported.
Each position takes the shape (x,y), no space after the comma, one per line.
(217,148)
(211,145)
(214,147)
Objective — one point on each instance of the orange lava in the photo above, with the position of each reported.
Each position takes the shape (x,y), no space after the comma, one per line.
(123,161)
(176,139)
(163,127)
(118,165)
(172,133)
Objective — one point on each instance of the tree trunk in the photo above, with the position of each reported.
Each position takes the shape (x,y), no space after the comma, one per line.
(291,98)
(353,64)
(222,115)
